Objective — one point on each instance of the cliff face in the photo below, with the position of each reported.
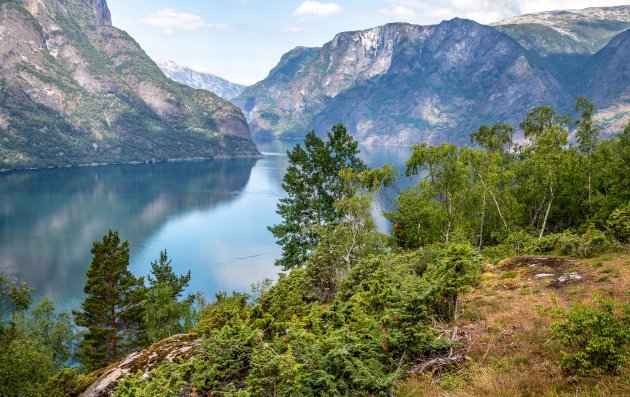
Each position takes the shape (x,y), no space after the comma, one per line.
(75,90)
(402,83)
(606,80)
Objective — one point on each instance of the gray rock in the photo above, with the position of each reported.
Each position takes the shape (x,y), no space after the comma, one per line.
(569,277)
(173,349)
(399,83)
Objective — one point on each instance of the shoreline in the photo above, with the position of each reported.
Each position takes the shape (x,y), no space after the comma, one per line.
(172,160)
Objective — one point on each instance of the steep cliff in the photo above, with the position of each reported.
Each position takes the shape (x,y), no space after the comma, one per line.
(402,83)
(76,90)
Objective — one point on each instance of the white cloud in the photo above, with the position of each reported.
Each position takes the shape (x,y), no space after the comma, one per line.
(483,11)
(170,21)
(311,9)
(399,13)
(292,29)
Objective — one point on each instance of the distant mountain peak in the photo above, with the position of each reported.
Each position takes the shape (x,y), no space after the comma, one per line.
(200,80)
(583,31)
(618,13)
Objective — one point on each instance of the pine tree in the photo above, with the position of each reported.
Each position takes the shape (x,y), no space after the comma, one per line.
(164,313)
(112,311)
(313,184)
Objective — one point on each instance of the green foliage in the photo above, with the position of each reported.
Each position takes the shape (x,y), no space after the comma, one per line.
(418,219)
(68,382)
(164,381)
(164,314)
(313,184)
(595,338)
(288,298)
(112,312)
(588,243)
(446,179)
(24,366)
(587,133)
(285,344)
(619,222)
(500,201)
(456,271)
(225,309)
(341,245)
(54,333)
(493,138)
(15,297)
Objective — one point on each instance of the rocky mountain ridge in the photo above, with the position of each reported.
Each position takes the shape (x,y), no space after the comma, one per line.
(567,32)
(76,90)
(402,83)
(200,80)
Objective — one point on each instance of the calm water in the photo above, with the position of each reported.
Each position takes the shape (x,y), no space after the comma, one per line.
(212,217)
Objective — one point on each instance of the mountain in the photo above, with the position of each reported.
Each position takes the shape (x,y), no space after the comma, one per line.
(567,32)
(605,80)
(564,40)
(76,90)
(200,80)
(401,83)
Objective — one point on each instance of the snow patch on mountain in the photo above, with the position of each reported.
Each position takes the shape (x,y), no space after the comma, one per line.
(200,80)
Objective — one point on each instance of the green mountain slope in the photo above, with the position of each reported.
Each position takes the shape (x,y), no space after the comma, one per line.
(76,90)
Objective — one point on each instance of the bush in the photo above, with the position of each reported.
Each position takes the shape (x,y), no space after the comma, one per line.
(619,222)
(588,243)
(595,338)
(457,270)
(69,382)
(224,310)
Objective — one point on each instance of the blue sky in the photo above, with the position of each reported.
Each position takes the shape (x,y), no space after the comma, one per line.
(241,40)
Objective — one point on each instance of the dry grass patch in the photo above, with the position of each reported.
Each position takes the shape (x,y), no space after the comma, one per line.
(507,320)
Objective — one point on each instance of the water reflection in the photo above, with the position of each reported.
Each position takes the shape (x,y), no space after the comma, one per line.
(212,217)
(49,218)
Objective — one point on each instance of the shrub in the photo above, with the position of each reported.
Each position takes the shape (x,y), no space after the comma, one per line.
(69,382)
(619,222)
(223,311)
(457,270)
(595,338)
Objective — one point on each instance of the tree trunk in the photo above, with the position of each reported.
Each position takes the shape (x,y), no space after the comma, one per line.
(449,210)
(496,202)
(483,216)
(590,175)
(542,229)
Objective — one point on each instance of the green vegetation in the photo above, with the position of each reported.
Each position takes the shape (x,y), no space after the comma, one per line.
(543,196)
(313,185)
(112,310)
(596,338)
(107,115)
(163,311)
(361,313)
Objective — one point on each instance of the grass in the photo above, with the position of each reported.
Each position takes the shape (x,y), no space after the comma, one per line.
(509,344)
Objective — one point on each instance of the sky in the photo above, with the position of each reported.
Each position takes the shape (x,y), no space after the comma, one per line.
(241,40)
